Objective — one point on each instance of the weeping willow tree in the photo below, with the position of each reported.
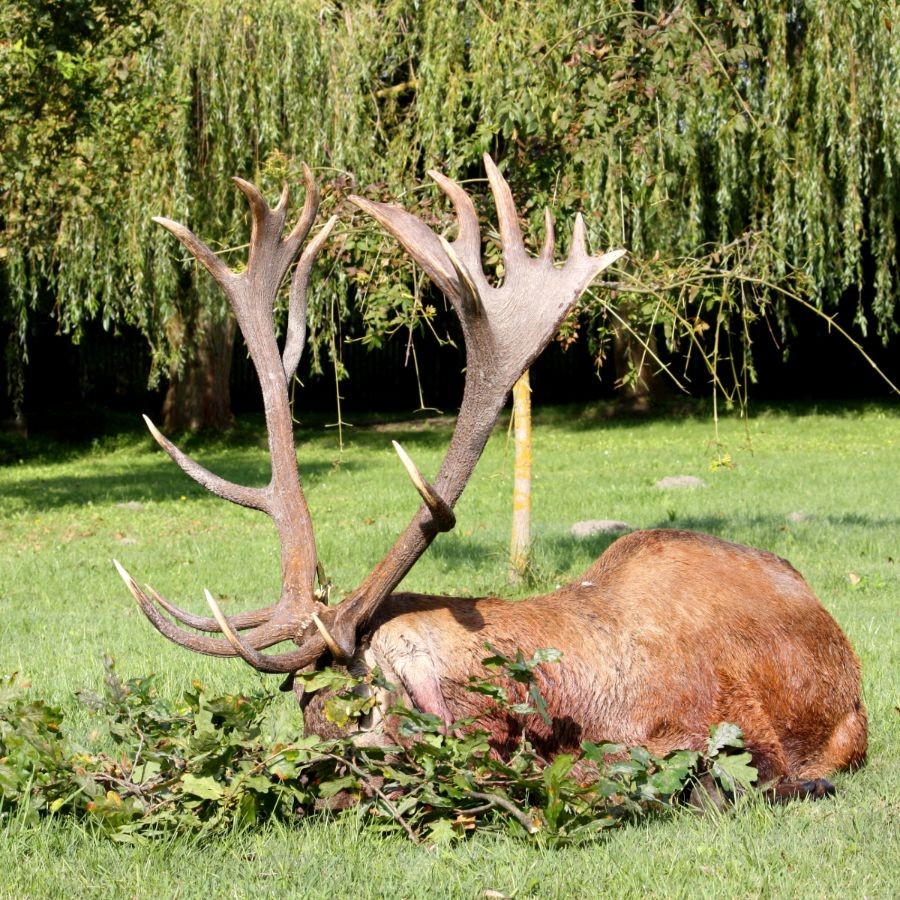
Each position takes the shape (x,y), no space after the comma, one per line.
(677,128)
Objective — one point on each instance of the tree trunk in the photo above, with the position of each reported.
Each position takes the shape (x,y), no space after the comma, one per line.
(638,383)
(14,359)
(520,544)
(199,395)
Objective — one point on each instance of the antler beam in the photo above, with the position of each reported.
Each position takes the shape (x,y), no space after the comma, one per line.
(505,328)
(252,294)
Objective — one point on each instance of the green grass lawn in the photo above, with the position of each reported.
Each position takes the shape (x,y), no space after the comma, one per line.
(821,488)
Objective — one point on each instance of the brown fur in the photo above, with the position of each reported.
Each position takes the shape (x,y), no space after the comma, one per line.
(669,632)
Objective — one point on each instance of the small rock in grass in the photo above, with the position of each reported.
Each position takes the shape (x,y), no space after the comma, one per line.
(677,482)
(599,526)
(131,504)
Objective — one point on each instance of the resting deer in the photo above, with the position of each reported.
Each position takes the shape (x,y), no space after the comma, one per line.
(666,634)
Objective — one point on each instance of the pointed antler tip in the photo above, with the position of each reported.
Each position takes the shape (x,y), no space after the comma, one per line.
(579,245)
(169,224)
(609,258)
(336,650)
(443,515)
(126,577)
(495,176)
(157,434)
(440,179)
(364,204)
(253,194)
(404,457)
(218,615)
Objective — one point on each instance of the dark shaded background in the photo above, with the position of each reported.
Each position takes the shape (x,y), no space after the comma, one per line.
(71,389)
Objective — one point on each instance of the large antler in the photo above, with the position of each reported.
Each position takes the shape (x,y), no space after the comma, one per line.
(252,294)
(505,328)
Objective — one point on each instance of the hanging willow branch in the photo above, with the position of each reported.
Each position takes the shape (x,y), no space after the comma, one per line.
(671,125)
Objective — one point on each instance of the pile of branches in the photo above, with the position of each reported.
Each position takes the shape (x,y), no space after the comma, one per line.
(213,763)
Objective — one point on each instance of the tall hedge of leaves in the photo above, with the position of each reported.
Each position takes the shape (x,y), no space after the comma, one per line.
(671,125)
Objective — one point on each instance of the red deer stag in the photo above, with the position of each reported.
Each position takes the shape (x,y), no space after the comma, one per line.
(666,634)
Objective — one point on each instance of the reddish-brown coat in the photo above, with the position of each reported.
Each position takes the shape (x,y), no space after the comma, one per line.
(669,632)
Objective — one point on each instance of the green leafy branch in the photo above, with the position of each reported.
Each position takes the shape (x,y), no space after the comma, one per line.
(212,763)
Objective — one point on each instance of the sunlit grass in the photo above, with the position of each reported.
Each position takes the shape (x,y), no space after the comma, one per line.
(820,488)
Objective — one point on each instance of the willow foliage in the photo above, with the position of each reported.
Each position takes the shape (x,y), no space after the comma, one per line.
(672,126)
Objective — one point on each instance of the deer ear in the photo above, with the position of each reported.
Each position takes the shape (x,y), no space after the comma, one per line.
(419,241)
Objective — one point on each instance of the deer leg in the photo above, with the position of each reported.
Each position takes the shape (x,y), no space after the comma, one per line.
(741,706)
(785,791)
(847,746)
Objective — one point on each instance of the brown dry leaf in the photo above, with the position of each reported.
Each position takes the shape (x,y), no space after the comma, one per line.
(853,578)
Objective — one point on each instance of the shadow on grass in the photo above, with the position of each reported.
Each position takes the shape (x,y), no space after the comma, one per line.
(553,555)
(147,482)
(725,527)
(470,552)
(566,553)
(612,416)
(247,433)
(121,431)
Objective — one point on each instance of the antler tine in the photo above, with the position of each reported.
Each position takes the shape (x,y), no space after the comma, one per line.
(296,327)
(549,247)
(580,259)
(419,241)
(240,622)
(470,295)
(590,267)
(507,217)
(444,517)
(257,660)
(468,239)
(578,249)
(284,198)
(336,651)
(212,263)
(275,663)
(263,217)
(310,210)
(262,637)
(254,498)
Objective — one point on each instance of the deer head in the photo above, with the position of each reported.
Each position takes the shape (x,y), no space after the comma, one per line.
(505,328)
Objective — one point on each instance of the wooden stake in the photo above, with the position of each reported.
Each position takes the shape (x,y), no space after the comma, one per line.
(520,544)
